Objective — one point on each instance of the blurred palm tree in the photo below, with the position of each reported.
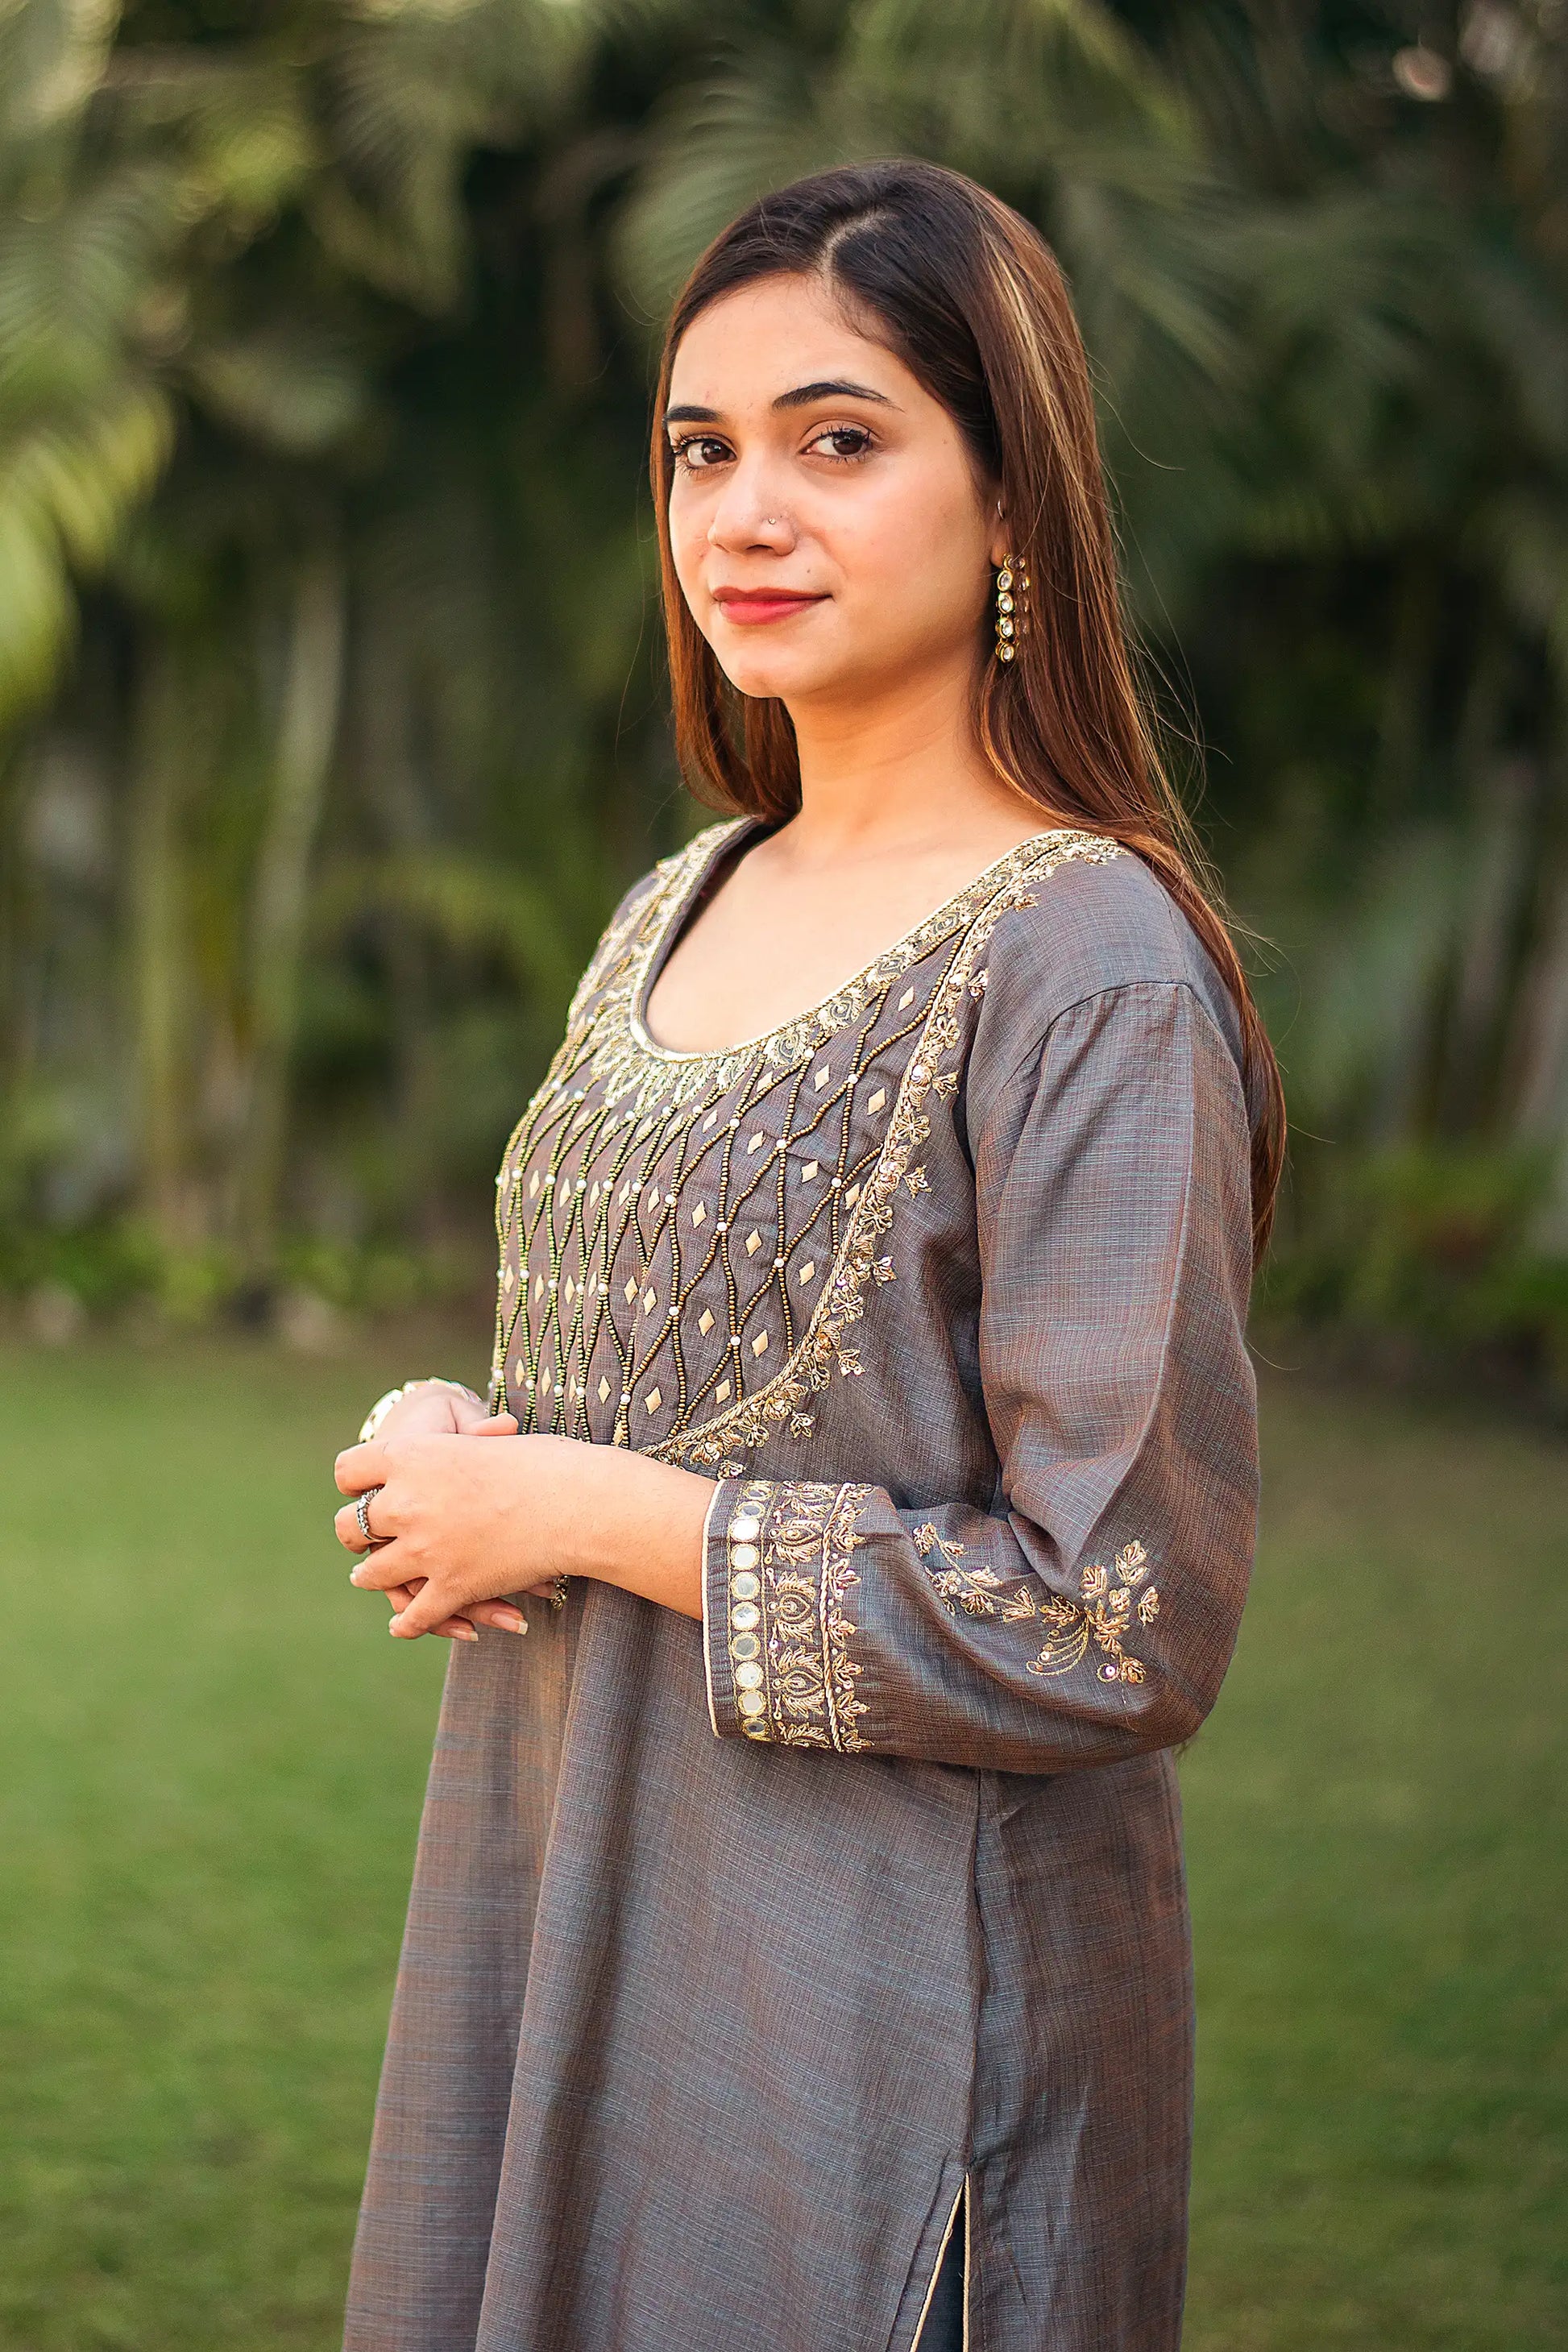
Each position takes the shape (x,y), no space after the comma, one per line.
(325,340)
(323,584)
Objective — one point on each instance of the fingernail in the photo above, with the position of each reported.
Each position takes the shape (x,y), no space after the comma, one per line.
(468,1637)
(512,1624)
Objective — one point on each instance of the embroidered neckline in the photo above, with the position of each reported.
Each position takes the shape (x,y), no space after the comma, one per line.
(803,1031)
(619,1105)
(824,1347)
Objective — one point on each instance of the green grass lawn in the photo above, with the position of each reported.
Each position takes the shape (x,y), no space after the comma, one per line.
(211,1760)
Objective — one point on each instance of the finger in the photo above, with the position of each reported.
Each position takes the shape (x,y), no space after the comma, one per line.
(359,1466)
(379,1569)
(427,1610)
(400,1595)
(494,1424)
(499,1613)
(478,1614)
(456,1629)
(347,1530)
(371,1510)
(452,1629)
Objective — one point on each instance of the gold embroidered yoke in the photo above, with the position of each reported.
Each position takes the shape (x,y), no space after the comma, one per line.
(686,1238)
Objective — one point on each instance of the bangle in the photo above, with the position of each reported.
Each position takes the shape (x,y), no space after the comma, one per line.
(383,1405)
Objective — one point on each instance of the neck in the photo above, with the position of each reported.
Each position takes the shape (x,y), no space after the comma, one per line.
(898,767)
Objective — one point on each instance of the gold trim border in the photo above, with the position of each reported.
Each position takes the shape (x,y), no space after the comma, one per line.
(821,1348)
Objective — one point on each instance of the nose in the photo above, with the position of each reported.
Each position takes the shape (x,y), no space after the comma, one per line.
(750,513)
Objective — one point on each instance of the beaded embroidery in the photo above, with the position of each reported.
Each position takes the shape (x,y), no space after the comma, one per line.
(686,1238)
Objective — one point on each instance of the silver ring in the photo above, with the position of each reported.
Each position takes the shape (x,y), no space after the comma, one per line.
(362,1513)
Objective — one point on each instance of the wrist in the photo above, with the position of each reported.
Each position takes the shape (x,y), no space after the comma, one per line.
(642,1529)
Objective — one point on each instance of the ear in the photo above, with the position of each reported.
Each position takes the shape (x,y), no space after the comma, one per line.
(999,546)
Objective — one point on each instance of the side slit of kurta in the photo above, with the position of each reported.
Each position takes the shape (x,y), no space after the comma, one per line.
(961,2199)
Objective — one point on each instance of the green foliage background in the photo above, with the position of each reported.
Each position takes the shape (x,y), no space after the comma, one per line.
(331,713)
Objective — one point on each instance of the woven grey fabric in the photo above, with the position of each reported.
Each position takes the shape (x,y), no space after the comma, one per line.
(736,1950)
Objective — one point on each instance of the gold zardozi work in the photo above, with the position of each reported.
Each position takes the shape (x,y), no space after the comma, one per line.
(1104,1617)
(788,1547)
(686,1238)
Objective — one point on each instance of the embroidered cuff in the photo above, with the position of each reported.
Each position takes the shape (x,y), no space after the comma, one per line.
(777,1633)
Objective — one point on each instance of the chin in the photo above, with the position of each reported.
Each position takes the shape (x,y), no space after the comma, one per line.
(769,672)
(762,679)
(758,683)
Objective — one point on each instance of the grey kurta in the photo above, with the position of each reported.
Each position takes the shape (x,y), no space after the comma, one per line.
(734,1950)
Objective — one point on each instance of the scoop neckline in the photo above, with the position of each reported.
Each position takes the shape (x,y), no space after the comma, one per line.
(666,936)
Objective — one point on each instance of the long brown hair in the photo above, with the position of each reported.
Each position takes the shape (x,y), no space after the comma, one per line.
(973,301)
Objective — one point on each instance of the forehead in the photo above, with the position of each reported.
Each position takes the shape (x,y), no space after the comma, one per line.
(764,338)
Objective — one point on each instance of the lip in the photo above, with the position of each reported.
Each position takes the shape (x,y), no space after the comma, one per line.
(754,606)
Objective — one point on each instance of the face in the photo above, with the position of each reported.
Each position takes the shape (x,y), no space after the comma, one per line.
(830,531)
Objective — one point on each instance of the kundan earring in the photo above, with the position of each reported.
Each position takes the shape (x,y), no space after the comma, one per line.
(1012,607)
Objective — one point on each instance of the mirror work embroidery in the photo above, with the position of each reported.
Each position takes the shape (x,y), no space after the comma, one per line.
(788,1547)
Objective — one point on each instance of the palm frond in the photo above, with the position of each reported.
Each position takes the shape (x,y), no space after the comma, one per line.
(67,488)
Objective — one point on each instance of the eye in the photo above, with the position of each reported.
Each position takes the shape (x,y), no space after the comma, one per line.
(842,444)
(698,451)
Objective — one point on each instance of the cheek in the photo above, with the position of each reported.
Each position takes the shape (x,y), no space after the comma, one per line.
(688,550)
(689,512)
(919,561)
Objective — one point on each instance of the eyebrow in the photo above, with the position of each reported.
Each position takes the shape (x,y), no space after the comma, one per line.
(803,396)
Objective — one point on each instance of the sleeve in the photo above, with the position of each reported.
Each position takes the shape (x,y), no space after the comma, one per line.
(1090,1615)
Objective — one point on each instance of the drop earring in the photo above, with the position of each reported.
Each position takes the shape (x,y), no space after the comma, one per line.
(1012,607)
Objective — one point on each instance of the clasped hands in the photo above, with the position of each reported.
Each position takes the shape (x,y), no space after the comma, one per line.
(414,1458)
(457,1524)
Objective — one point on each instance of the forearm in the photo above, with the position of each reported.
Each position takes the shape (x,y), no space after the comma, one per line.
(640,1525)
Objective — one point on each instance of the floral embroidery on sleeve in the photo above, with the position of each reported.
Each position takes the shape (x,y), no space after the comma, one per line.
(1104,1618)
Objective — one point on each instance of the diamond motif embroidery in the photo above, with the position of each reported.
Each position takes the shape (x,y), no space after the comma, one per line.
(634,1172)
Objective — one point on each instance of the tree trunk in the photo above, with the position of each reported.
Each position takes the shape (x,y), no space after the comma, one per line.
(159,945)
(385,737)
(311,698)
(14,1040)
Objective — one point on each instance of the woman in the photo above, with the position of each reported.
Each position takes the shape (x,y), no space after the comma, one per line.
(798,1952)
